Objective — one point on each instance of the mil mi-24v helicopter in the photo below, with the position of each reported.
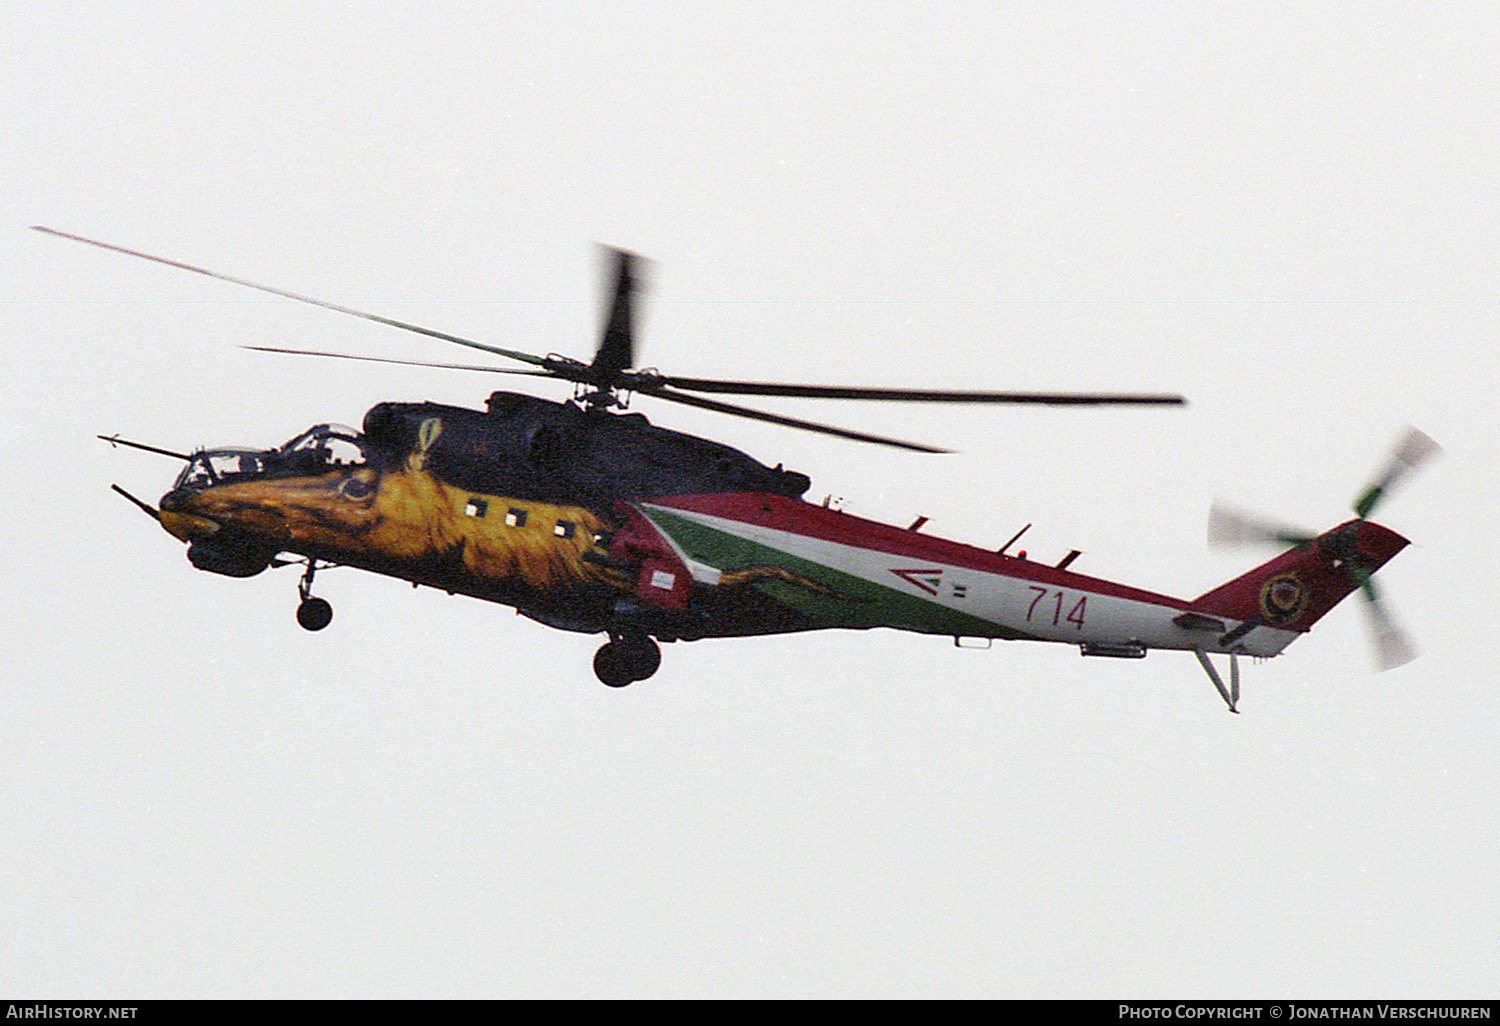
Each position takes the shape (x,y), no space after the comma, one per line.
(591,520)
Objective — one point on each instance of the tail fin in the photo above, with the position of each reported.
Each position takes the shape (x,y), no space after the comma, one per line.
(1294,590)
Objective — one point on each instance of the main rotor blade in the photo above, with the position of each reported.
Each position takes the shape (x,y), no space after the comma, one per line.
(1411,451)
(1230,528)
(1393,647)
(617,345)
(406,363)
(921,395)
(390,322)
(775,418)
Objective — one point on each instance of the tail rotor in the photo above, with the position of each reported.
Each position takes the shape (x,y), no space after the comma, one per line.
(1232,528)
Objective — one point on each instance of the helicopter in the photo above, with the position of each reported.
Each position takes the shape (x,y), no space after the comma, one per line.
(586,517)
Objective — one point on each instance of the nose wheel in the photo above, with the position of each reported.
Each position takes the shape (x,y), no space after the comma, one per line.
(313,614)
(626,658)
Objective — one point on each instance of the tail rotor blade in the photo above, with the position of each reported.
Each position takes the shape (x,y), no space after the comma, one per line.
(1232,528)
(1393,647)
(1411,451)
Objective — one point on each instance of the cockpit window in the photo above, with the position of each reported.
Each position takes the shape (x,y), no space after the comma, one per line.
(197,474)
(216,466)
(236,464)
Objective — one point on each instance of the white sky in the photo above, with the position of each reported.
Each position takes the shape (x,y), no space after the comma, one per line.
(1289,215)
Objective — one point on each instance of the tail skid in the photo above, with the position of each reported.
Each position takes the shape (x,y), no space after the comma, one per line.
(1231,694)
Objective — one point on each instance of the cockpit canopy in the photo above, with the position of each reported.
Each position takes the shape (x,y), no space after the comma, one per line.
(334,445)
(319,448)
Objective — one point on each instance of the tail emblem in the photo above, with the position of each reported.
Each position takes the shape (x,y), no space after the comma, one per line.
(1282,599)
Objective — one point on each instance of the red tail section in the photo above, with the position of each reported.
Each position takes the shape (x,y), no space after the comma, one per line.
(1295,589)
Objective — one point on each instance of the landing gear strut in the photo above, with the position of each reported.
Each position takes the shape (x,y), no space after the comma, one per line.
(312,613)
(626,658)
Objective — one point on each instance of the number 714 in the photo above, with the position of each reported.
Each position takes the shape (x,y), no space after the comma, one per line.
(1075,614)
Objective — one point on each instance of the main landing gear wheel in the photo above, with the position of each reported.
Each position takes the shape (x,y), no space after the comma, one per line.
(312,613)
(626,659)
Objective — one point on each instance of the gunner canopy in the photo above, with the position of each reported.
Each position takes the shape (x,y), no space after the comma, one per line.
(319,448)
